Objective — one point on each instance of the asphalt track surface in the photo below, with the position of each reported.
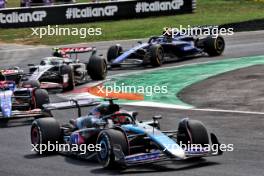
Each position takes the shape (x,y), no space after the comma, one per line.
(241,90)
(245,131)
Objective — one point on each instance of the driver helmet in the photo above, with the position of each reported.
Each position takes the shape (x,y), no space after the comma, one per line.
(120,119)
(99,110)
(57,53)
(104,109)
(2,76)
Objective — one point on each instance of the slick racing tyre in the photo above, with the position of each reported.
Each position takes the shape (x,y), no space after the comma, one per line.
(44,131)
(214,46)
(108,139)
(192,132)
(156,55)
(41,98)
(67,75)
(31,84)
(97,67)
(113,52)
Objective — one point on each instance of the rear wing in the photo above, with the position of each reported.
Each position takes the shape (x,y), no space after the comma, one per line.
(72,50)
(71,104)
(10,71)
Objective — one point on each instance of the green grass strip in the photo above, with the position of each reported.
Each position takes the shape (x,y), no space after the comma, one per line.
(208,12)
(178,78)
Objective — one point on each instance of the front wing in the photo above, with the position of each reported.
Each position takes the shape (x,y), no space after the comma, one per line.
(24,114)
(156,156)
(159,155)
(50,85)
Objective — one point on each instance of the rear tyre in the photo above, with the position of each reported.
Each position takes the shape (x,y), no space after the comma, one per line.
(41,98)
(45,131)
(97,68)
(214,46)
(192,132)
(67,75)
(31,84)
(113,52)
(156,55)
(108,139)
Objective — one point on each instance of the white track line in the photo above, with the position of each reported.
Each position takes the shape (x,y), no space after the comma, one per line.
(169,106)
(158,105)
(229,111)
(161,105)
(180,107)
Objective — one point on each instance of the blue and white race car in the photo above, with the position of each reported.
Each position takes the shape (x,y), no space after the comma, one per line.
(120,139)
(165,48)
(20,102)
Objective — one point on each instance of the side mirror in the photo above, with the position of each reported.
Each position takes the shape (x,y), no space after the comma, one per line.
(134,114)
(94,50)
(139,42)
(157,117)
(155,121)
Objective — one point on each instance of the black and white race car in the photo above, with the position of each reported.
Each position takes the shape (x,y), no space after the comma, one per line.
(64,71)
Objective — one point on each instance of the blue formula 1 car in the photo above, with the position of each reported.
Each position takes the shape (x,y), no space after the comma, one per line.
(21,102)
(160,49)
(122,140)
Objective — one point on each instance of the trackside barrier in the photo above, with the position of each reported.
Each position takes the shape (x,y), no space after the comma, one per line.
(90,12)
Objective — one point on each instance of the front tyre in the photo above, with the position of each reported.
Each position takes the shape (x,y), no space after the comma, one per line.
(214,45)
(108,139)
(192,132)
(113,52)
(43,132)
(97,68)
